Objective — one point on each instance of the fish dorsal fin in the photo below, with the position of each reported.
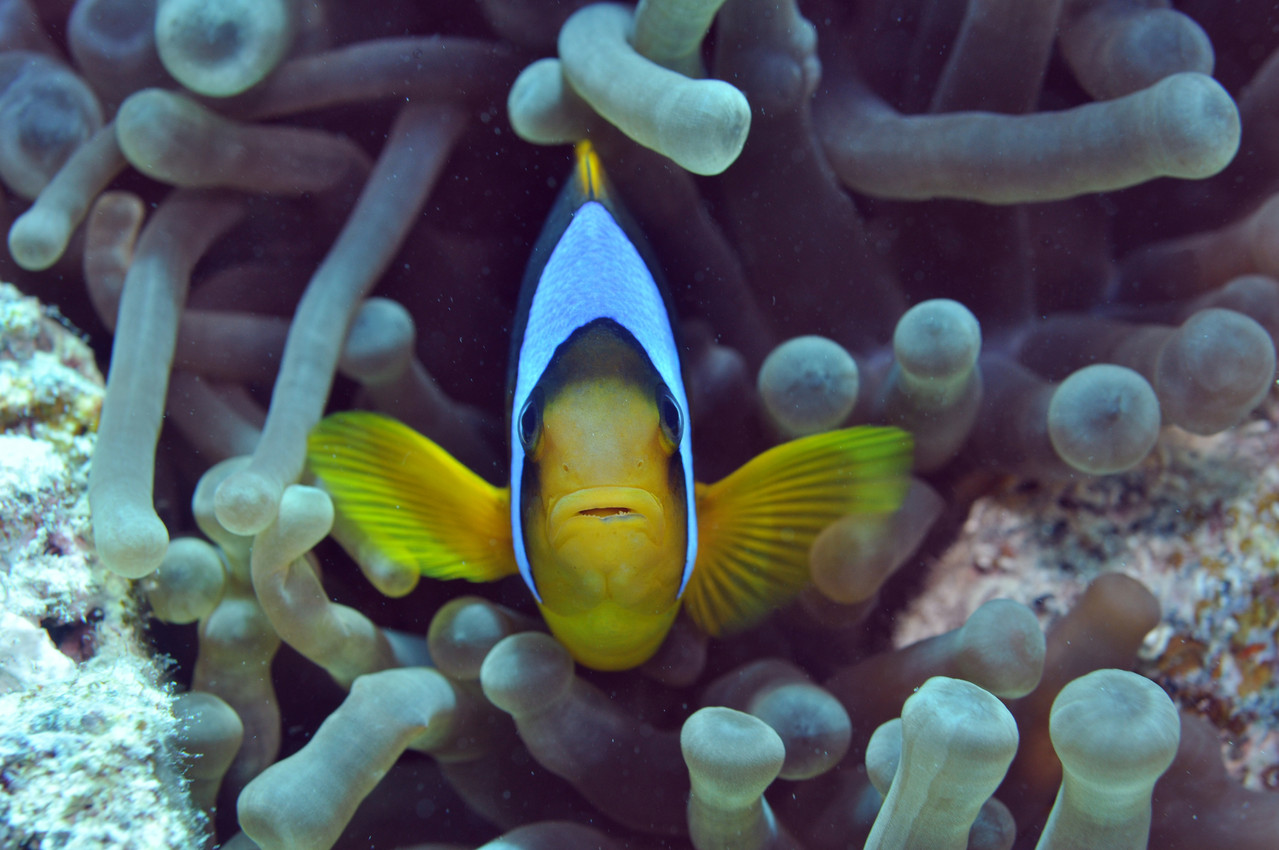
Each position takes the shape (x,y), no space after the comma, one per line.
(755,526)
(590,173)
(410,499)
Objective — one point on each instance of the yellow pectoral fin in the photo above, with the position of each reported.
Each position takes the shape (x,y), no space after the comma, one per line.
(754,528)
(410,499)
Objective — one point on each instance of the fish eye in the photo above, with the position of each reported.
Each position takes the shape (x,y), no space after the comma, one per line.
(668,416)
(530,422)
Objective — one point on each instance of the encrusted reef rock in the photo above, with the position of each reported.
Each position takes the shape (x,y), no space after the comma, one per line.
(86,723)
(1197,523)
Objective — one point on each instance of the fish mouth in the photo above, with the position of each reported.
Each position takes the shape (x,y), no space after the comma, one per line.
(606,512)
(604,506)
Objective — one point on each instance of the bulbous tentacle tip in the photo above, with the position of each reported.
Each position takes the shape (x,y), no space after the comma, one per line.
(247,502)
(526,673)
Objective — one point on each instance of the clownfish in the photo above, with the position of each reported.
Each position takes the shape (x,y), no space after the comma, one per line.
(602,518)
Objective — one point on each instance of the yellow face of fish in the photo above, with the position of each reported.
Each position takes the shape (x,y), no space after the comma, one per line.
(605,515)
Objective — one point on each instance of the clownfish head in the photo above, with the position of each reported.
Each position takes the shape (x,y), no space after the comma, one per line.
(603,501)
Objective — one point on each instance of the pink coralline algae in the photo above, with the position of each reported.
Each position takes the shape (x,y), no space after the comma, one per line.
(1037,235)
(1196,523)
